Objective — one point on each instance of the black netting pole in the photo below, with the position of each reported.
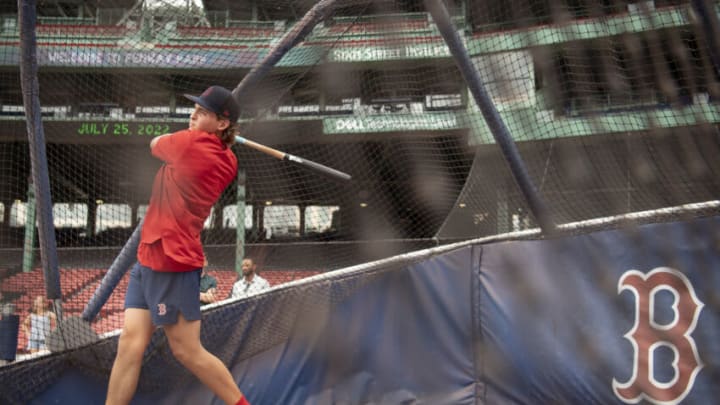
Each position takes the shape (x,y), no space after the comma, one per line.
(38,154)
(115,273)
(127,255)
(291,38)
(492,117)
(711,29)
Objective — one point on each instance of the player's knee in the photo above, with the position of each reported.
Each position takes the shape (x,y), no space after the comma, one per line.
(132,343)
(182,350)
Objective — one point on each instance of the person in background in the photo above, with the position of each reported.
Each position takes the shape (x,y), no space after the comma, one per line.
(38,324)
(250,282)
(2,306)
(208,286)
(6,308)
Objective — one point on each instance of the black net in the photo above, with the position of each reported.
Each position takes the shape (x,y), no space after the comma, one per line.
(612,106)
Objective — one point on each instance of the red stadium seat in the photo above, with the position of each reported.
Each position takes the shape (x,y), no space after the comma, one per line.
(79,285)
(373,27)
(109,322)
(99,31)
(223,33)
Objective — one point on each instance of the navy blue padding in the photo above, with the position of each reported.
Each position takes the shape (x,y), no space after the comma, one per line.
(521,322)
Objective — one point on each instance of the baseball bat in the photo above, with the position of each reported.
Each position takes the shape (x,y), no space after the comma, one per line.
(291,38)
(320,168)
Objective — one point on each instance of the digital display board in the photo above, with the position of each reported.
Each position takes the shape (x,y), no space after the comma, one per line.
(126,128)
(93,131)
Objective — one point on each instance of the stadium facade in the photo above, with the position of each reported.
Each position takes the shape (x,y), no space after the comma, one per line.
(372,91)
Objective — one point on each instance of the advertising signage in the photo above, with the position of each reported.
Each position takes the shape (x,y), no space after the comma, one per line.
(186,58)
(143,58)
(166,58)
(125,128)
(426,122)
(94,131)
(380,53)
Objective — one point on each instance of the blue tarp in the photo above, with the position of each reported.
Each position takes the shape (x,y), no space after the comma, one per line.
(609,317)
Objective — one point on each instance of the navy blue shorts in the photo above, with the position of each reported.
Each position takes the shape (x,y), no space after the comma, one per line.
(164,294)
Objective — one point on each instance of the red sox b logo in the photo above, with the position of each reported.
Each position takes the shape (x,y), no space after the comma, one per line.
(647,335)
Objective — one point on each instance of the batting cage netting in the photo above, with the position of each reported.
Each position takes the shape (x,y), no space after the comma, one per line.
(455,120)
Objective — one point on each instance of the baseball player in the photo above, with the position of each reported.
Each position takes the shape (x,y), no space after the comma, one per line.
(165,282)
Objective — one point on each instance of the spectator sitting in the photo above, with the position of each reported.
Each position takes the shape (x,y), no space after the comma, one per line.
(6,308)
(38,324)
(208,286)
(250,282)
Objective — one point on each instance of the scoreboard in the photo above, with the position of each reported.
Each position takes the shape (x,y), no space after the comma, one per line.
(126,128)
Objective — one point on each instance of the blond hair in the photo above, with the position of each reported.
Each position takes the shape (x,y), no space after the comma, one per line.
(228,135)
(41,302)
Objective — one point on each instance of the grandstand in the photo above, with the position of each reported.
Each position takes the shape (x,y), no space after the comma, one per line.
(112,119)
(613,107)
(79,285)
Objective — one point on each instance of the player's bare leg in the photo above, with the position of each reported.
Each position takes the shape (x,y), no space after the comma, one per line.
(135,336)
(184,340)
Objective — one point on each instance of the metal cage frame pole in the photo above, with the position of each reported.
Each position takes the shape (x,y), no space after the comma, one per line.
(708,21)
(127,256)
(497,126)
(38,154)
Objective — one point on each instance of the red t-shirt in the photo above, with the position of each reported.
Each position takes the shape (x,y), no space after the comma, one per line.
(198,167)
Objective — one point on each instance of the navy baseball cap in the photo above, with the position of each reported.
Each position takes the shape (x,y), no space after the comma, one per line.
(218,100)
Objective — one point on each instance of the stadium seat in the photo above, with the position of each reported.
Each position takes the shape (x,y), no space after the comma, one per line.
(225,280)
(108,322)
(79,285)
(224,33)
(82,31)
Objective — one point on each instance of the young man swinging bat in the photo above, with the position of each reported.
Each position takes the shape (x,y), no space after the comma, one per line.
(165,282)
